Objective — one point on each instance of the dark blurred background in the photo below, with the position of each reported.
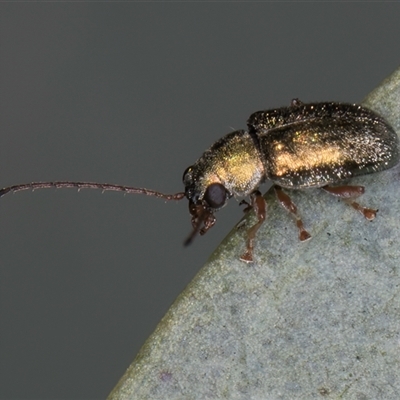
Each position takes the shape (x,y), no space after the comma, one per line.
(133,93)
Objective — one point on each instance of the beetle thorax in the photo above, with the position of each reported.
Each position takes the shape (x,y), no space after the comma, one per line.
(234,161)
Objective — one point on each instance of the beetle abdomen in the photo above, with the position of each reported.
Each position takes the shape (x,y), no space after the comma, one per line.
(311,145)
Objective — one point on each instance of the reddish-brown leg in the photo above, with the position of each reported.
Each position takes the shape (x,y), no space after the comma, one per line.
(348,194)
(248,207)
(287,203)
(259,206)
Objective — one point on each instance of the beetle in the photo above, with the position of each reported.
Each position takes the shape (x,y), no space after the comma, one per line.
(302,146)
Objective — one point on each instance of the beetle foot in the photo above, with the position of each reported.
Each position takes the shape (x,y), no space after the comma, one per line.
(248,207)
(247,256)
(369,213)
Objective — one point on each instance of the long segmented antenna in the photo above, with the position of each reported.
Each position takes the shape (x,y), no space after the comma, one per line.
(90,185)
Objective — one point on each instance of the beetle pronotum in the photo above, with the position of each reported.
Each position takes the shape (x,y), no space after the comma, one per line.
(295,147)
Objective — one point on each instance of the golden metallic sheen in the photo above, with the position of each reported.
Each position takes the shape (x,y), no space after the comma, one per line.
(234,161)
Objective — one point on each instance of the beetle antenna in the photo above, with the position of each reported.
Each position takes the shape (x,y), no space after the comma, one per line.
(90,185)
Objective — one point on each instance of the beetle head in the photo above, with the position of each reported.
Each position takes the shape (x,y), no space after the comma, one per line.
(205,196)
(232,166)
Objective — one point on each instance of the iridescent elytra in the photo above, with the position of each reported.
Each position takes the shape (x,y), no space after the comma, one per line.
(296,147)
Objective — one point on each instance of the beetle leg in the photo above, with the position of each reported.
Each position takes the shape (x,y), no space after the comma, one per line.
(288,205)
(248,206)
(348,194)
(259,206)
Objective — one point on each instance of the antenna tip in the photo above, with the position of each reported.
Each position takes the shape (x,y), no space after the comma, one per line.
(4,191)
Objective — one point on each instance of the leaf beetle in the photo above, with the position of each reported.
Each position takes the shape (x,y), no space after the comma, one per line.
(311,145)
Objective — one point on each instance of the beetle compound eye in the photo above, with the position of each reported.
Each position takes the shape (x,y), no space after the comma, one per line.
(215,195)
